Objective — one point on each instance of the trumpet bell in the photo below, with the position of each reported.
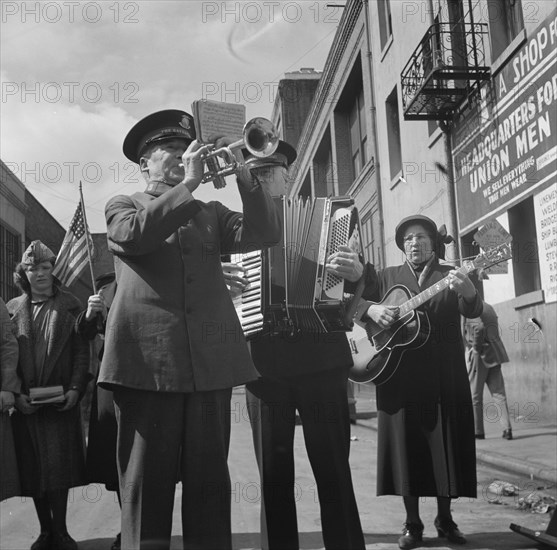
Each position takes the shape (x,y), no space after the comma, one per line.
(260,137)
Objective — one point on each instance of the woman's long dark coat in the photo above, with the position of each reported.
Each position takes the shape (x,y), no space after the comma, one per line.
(49,443)
(426,444)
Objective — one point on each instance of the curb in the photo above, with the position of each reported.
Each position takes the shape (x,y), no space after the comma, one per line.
(531,469)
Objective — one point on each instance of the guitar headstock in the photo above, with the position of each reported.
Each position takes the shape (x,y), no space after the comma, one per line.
(493,256)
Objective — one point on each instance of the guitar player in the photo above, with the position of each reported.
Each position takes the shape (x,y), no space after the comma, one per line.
(426,444)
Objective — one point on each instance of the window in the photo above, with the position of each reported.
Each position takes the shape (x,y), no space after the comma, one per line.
(350,130)
(323,169)
(278,125)
(371,241)
(458,46)
(358,133)
(522,226)
(505,23)
(393,133)
(523,273)
(9,257)
(385,21)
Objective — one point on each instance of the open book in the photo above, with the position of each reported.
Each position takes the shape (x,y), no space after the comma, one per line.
(46,395)
(216,118)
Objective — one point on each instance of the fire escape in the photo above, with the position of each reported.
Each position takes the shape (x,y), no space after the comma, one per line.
(448,64)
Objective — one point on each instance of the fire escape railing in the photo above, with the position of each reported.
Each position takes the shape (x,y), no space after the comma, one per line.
(449,60)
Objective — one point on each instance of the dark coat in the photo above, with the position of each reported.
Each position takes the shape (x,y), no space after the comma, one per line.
(483,337)
(100,459)
(172,326)
(49,443)
(285,355)
(9,475)
(67,357)
(426,444)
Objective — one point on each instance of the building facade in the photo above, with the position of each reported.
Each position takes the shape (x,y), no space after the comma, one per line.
(12,229)
(24,219)
(447,108)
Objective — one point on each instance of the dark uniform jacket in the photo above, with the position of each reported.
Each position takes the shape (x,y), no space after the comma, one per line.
(172,325)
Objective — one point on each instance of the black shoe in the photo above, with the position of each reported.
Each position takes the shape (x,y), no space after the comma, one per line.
(411,535)
(480,436)
(508,434)
(43,542)
(117,544)
(63,541)
(447,528)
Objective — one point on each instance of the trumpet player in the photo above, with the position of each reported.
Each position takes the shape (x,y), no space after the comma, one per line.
(174,347)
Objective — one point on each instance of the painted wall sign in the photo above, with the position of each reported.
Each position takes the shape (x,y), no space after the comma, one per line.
(505,145)
(491,235)
(545,208)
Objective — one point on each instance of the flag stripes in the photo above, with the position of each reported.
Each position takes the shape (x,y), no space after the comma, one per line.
(73,256)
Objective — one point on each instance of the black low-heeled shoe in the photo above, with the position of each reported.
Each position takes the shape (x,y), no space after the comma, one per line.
(412,534)
(447,528)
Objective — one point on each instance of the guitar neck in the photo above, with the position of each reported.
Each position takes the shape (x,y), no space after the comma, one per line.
(428,293)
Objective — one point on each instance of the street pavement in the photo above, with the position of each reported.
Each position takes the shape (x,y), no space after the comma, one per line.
(527,462)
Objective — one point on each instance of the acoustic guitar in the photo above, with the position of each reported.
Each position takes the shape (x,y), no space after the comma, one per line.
(377,351)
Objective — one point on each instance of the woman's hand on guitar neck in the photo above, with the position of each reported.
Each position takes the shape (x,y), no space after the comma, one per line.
(459,282)
(384,316)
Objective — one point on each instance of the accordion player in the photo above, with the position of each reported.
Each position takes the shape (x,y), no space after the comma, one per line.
(289,286)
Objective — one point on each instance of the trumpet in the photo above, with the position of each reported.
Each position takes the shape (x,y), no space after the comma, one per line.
(259,137)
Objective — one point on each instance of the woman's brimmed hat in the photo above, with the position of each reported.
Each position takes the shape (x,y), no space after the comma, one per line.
(428,223)
(439,236)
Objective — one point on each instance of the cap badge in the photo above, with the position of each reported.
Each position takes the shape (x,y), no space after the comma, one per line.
(185,122)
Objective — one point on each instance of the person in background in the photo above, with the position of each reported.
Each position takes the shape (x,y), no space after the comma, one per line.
(485,353)
(426,444)
(308,373)
(174,348)
(9,386)
(48,437)
(100,461)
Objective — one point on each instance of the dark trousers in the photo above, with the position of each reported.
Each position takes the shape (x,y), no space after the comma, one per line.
(322,403)
(163,437)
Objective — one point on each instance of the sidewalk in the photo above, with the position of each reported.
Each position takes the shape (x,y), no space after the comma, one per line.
(532,452)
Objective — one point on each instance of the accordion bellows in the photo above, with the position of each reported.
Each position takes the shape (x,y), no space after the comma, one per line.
(290,288)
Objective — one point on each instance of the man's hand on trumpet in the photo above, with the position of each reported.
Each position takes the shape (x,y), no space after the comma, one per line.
(244,177)
(194,167)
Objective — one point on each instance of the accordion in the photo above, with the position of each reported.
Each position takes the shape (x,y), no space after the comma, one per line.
(289,287)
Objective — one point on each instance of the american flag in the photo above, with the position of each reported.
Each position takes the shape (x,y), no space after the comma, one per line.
(73,257)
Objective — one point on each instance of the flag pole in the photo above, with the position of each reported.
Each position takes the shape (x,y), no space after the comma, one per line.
(87,238)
